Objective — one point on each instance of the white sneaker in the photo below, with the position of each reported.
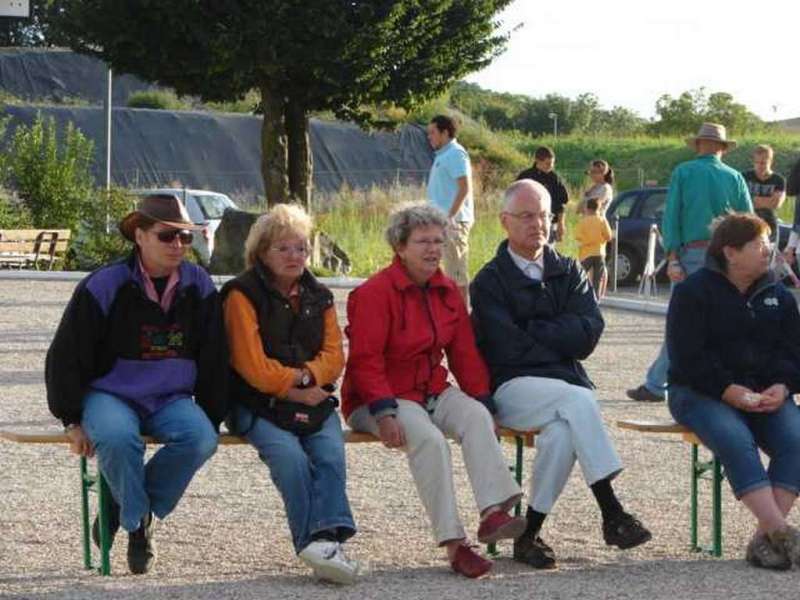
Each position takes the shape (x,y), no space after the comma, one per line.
(329,562)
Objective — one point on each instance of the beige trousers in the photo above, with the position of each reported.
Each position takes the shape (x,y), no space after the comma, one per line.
(467,421)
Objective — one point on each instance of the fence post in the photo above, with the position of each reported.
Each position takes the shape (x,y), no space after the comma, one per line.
(615,254)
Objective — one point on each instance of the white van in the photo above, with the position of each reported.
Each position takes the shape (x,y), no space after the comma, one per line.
(205,208)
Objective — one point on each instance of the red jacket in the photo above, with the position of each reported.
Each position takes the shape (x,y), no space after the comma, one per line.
(399,333)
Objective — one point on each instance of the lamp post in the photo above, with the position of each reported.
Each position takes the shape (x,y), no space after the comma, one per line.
(554,116)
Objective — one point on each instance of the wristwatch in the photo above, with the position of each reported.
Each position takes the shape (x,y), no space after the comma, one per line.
(305,378)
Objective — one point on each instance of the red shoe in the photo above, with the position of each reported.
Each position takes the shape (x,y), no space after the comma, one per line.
(469,563)
(500,526)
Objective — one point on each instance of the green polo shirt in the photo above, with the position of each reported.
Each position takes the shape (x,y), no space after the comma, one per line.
(699,191)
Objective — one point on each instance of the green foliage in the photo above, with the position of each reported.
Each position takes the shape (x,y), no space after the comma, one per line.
(685,114)
(248,104)
(33,31)
(98,241)
(583,115)
(53,179)
(157,99)
(13,214)
(308,56)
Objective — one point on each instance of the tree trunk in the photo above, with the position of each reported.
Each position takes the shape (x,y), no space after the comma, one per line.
(274,148)
(300,157)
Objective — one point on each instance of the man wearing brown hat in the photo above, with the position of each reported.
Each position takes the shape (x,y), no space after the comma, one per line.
(699,191)
(138,352)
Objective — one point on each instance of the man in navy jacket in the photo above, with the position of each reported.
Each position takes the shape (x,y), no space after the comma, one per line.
(535,318)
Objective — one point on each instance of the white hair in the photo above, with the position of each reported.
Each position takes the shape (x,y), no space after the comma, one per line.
(525,184)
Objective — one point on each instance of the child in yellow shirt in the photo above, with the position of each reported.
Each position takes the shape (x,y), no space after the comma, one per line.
(592,234)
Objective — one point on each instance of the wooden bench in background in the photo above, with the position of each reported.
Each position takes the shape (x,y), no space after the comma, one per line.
(708,470)
(94,482)
(26,248)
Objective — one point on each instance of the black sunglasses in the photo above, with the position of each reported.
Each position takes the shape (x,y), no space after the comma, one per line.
(168,236)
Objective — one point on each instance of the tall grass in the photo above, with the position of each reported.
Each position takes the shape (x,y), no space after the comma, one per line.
(357,221)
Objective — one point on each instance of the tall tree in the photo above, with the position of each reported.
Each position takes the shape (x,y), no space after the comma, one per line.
(301,55)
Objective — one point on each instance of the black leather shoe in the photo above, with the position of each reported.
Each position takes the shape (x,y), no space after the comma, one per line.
(625,531)
(534,552)
(642,394)
(141,547)
(113,524)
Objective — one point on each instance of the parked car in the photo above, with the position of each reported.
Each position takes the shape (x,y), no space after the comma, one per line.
(205,208)
(637,210)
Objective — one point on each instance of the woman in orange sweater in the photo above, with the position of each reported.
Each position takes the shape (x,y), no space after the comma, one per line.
(286,354)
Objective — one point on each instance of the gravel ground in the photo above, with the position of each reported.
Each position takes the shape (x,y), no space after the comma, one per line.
(229,539)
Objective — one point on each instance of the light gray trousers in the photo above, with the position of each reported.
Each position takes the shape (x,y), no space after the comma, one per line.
(571,428)
(469,423)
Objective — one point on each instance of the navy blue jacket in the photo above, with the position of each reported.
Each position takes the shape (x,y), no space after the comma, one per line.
(717,336)
(535,328)
(113,338)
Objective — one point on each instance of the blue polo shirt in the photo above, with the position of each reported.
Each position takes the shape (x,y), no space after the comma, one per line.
(450,162)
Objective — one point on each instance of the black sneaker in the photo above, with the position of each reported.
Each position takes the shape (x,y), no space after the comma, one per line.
(113,524)
(625,531)
(642,394)
(534,552)
(141,547)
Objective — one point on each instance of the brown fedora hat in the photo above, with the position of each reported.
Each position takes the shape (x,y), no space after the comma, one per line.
(162,208)
(714,132)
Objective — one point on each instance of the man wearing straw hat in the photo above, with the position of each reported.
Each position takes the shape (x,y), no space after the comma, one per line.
(699,191)
(138,352)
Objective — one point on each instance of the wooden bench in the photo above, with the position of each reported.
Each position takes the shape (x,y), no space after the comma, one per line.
(25,248)
(707,470)
(94,482)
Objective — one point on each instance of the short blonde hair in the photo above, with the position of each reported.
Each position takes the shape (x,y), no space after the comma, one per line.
(280,221)
(764,150)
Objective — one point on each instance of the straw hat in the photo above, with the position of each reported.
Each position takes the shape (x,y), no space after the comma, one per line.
(162,208)
(714,132)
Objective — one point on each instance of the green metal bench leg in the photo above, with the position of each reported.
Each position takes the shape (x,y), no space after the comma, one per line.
(491,549)
(103,502)
(716,525)
(693,512)
(87,545)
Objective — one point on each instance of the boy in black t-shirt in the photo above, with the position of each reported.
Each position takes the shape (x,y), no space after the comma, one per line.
(767,189)
(544,160)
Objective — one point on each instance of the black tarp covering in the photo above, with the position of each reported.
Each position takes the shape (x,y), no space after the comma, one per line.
(56,75)
(222,152)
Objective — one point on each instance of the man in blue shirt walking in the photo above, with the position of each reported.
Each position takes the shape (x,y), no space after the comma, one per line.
(450,190)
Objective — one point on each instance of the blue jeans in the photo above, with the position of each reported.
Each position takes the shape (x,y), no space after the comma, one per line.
(115,430)
(735,437)
(309,472)
(692,260)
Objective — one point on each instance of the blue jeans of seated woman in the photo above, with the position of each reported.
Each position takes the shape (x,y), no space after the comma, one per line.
(735,437)
(115,430)
(309,472)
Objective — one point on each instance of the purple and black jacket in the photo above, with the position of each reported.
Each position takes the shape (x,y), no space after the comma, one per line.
(113,338)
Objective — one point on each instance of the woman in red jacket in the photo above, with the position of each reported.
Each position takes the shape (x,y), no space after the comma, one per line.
(402,322)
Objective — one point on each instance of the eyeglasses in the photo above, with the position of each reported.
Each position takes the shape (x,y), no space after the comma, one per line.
(286,249)
(168,236)
(529,217)
(435,242)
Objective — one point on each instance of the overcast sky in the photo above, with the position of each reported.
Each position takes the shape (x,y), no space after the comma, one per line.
(629,53)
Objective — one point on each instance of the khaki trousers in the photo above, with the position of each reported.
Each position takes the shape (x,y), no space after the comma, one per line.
(462,418)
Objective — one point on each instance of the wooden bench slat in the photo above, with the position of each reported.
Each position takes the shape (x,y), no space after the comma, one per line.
(226,439)
(652,426)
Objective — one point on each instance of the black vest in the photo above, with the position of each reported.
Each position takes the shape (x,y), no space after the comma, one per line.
(290,337)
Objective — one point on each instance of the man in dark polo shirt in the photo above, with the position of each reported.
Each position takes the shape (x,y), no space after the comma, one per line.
(544,161)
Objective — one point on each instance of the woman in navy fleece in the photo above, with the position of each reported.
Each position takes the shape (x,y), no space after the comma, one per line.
(733,337)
